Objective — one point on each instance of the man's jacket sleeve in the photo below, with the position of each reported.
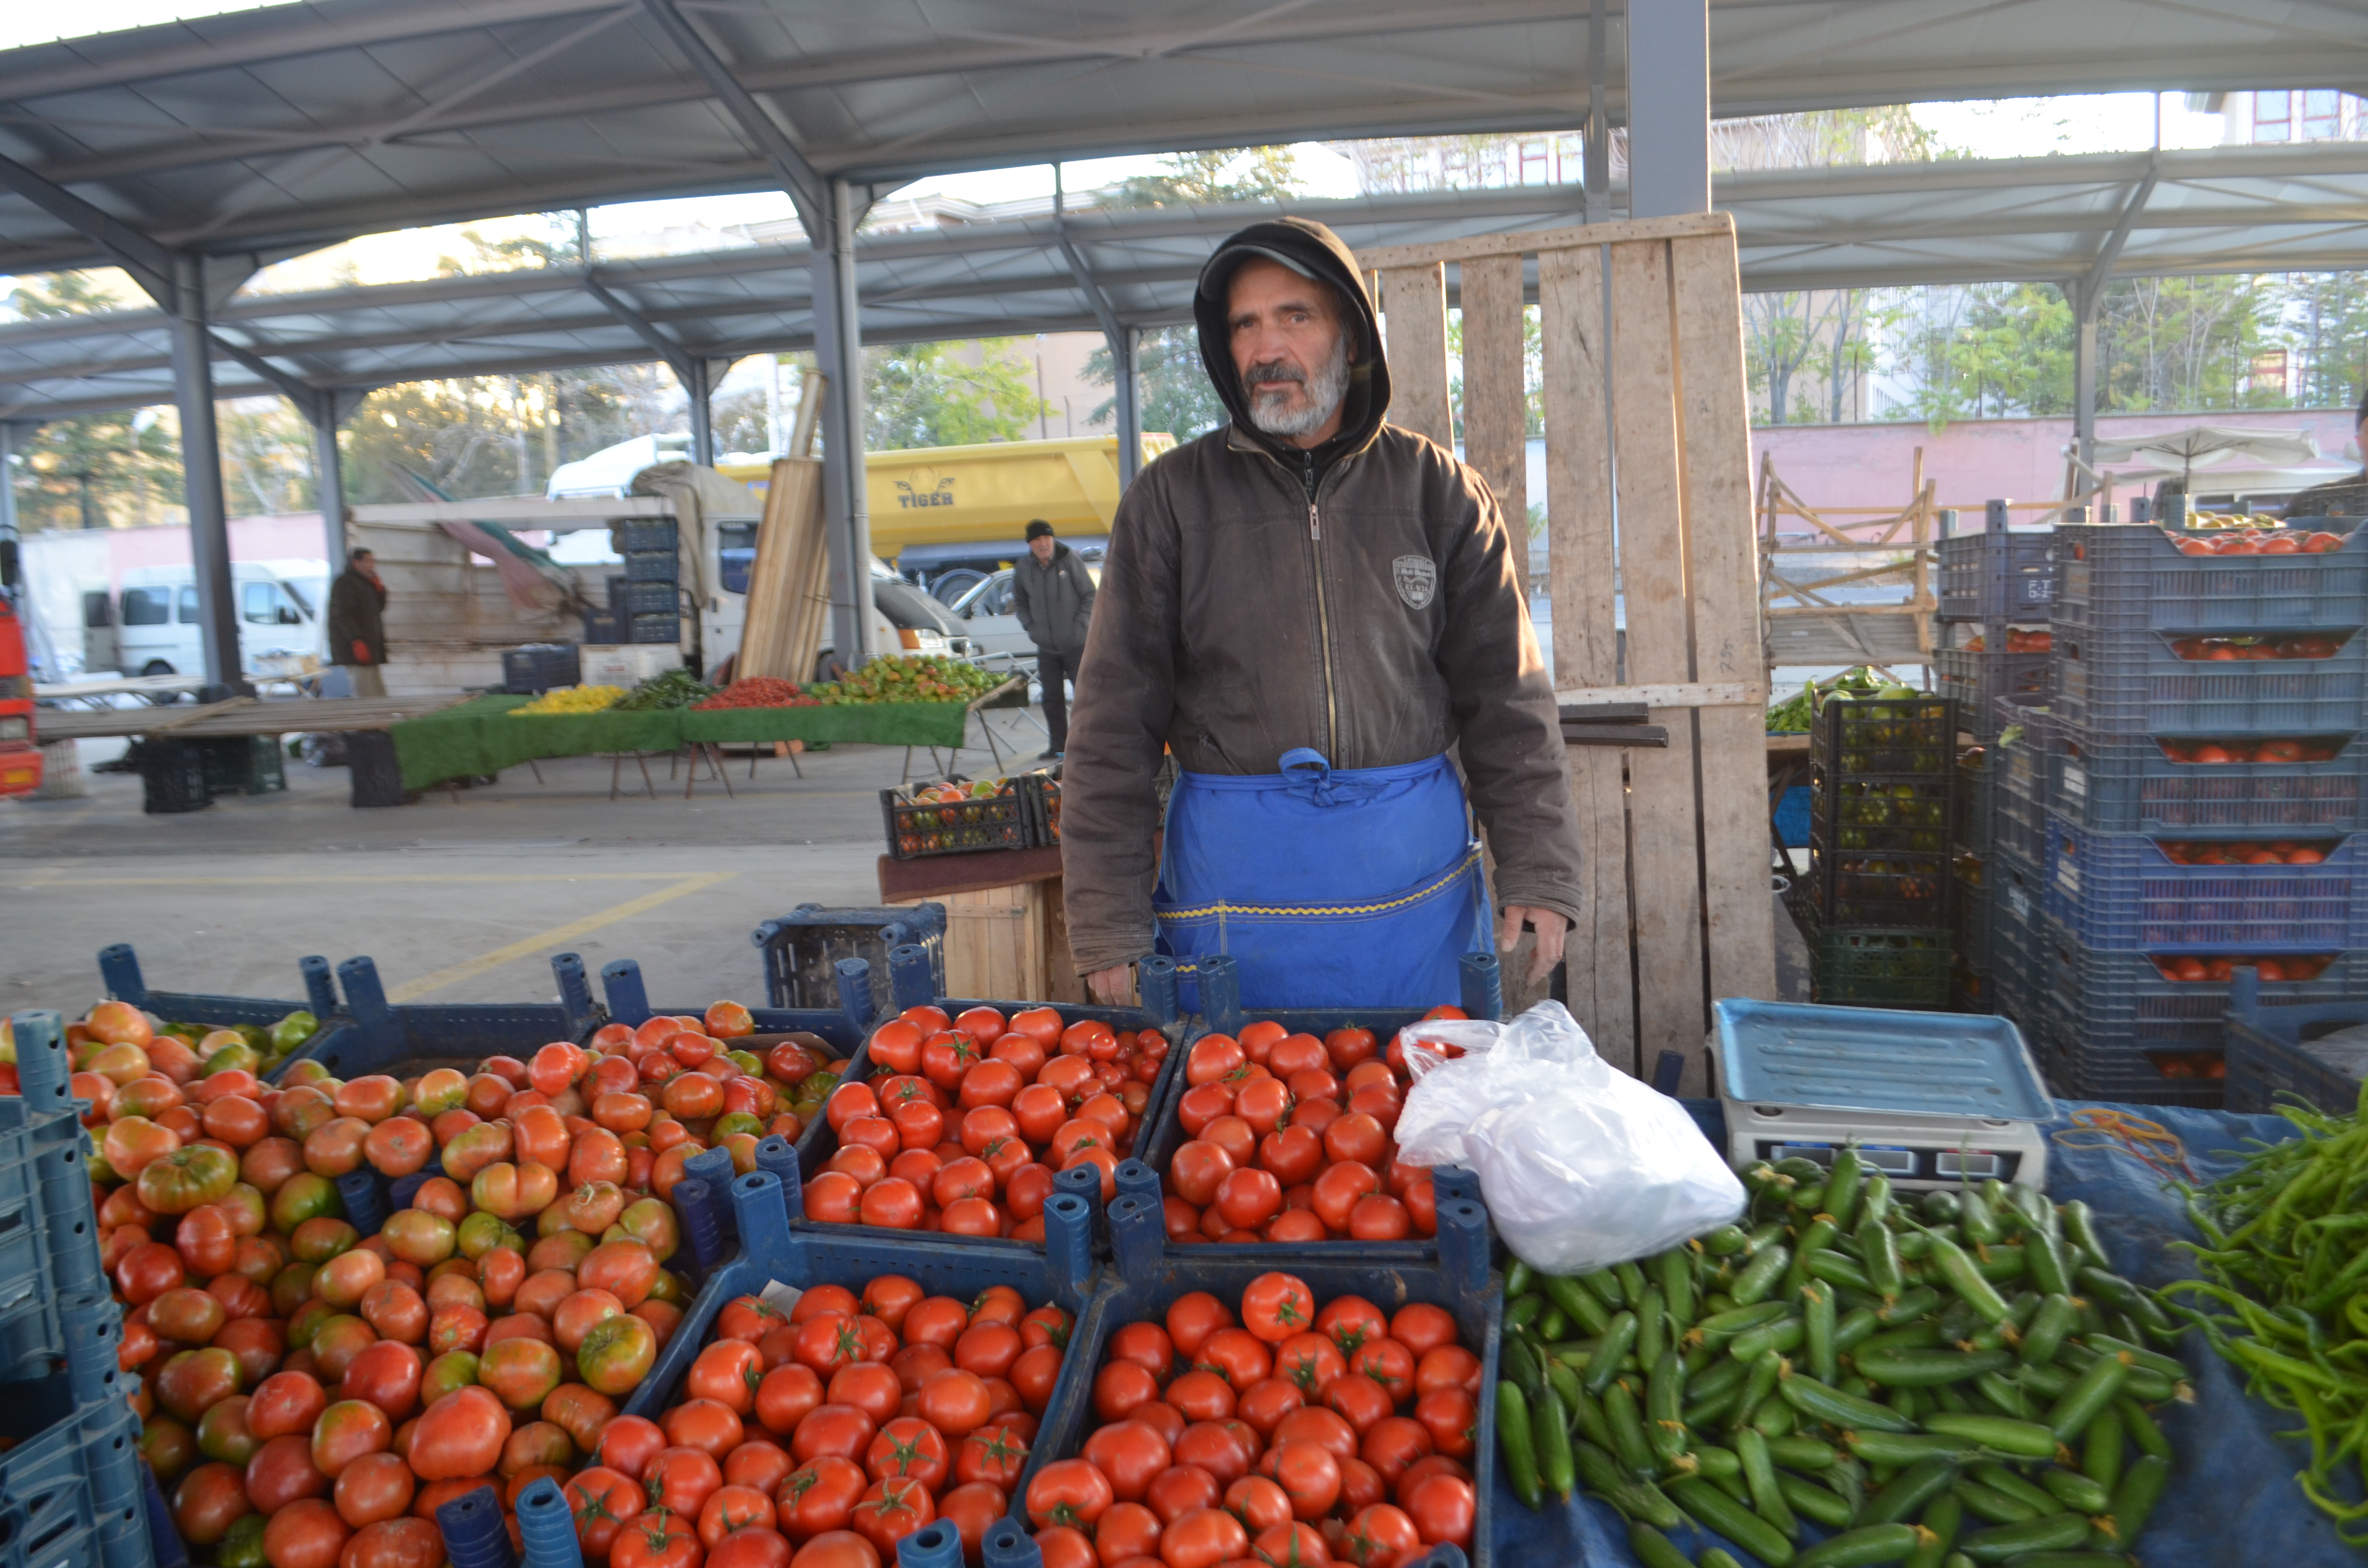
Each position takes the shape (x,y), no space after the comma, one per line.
(1117,734)
(1023,605)
(1508,730)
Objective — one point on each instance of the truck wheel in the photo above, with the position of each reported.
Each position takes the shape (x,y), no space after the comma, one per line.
(156,668)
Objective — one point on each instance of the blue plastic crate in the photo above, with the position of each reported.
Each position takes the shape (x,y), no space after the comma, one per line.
(1997,574)
(663,565)
(1972,932)
(2274,1050)
(818,1143)
(2084,1060)
(1790,818)
(1978,780)
(635,536)
(2134,576)
(771,1249)
(2017,906)
(2119,893)
(1147,1276)
(627,599)
(2132,784)
(71,1491)
(1980,679)
(802,949)
(2018,824)
(2124,1000)
(119,971)
(2131,682)
(1225,1015)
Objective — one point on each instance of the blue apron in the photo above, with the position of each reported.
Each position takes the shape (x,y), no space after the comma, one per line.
(1329,887)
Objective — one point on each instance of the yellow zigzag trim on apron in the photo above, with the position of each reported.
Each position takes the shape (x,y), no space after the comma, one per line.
(1205,911)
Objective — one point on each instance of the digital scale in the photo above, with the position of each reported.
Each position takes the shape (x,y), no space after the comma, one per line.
(1931,1100)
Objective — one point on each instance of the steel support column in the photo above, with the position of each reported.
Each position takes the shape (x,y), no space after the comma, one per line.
(1598,117)
(838,353)
(1125,355)
(329,480)
(1668,107)
(7,479)
(201,480)
(699,388)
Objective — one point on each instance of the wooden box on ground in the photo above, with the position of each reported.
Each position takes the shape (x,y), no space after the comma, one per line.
(1643,347)
(1005,935)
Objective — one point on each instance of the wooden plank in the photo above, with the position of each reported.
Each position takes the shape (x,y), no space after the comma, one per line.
(1601,986)
(1414,299)
(1715,409)
(779,578)
(1495,401)
(1540,242)
(1670,693)
(994,943)
(1671,1012)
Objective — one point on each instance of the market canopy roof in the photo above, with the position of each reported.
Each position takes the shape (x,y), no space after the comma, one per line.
(270,132)
(2220,209)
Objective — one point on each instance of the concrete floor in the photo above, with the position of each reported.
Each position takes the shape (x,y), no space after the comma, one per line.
(459,899)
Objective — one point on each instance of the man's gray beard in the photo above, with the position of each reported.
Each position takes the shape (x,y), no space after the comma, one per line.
(1324,395)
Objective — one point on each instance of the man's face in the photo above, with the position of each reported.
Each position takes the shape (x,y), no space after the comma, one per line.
(1290,348)
(365,563)
(1041,547)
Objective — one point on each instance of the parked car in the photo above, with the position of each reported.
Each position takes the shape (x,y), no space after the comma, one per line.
(987,615)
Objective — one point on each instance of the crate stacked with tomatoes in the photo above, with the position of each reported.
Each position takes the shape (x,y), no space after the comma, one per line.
(1991,638)
(1875,907)
(2202,773)
(962,1124)
(310,1395)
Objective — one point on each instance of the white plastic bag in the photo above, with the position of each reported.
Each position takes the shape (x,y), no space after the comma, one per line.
(1582,1166)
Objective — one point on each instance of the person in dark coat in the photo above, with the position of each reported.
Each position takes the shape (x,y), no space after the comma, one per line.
(358,624)
(1053,596)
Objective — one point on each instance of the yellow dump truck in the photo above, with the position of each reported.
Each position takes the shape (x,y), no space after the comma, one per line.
(984,495)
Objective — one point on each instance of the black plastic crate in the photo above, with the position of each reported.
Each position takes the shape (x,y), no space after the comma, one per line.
(635,536)
(1866,966)
(1977,774)
(2145,784)
(244,765)
(538,668)
(2023,760)
(627,599)
(1883,887)
(374,771)
(2018,824)
(173,778)
(1862,815)
(1997,574)
(2135,577)
(1910,736)
(2015,916)
(652,566)
(2276,1051)
(1972,912)
(1980,677)
(2121,892)
(918,829)
(803,949)
(655,628)
(1043,792)
(603,628)
(2135,682)
(2084,1060)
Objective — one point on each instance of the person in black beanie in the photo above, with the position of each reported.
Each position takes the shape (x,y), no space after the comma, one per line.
(1053,595)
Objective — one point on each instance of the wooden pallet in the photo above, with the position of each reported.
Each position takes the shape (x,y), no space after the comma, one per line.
(1646,422)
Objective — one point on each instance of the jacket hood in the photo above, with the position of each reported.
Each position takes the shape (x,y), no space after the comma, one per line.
(1308,247)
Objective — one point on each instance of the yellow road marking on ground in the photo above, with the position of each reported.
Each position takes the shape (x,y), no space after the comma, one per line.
(542,941)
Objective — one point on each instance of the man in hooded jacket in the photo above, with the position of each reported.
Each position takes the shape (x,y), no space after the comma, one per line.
(1308,608)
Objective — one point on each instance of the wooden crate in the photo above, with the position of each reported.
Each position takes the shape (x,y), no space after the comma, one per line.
(1009,944)
(1647,423)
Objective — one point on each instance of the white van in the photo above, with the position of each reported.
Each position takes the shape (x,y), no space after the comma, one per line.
(152,626)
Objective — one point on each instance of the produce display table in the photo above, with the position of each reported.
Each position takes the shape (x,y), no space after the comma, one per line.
(2232,1496)
(241,716)
(481,738)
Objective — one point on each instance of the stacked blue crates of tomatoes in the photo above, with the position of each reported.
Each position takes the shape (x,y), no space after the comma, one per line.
(1876,905)
(2202,764)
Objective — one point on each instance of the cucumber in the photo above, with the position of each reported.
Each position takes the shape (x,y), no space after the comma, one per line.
(1820,1401)
(2090,1392)
(2076,1491)
(1906,1494)
(1653,1549)
(2050,1532)
(1987,1502)
(1812,1500)
(1943,1516)
(1618,1340)
(1929,1369)
(1674,1270)
(2048,1326)
(1715,1510)
(1627,1425)
(1579,1304)
(1634,1499)
(2135,1498)
(1552,1454)
(1760,1476)
(2101,1458)
(1513,1436)
(1861,1548)
(2001,1434)
(1801,1454)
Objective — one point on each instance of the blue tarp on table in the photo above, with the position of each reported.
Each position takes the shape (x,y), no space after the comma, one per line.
(2232,1497)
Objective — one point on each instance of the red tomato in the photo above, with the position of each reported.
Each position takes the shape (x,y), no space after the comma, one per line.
(891,1510)
(1069,1492)
(819,1496)
(1129,1455)
(657,1539)
(1204,1539)
(1276,1306)
(1442,1508)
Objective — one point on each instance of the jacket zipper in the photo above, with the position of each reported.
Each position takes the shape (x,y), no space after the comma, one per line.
(1323,617)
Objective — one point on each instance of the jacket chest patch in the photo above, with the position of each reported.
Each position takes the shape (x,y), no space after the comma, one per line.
(1417,579)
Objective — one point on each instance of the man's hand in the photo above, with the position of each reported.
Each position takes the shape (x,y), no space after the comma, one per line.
(362,649)
(1550,927)
(1114,986)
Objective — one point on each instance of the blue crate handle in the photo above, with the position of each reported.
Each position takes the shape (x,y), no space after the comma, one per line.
(1220,992)
(44,1071)
(912,981)
(575,992)
(1138,1235)
(935,1545)
(373,1015)
(94,1330)
(320,985)
(779,1157)
(1008,1545)
(1463,1244)
(364,1199)
(1086,1182)
(763,1222)
(854,978)
(119,966)
(629,999)
(1446,1554)
(2244,992)
(474,1535)
(1069,1248)
(547,1526)
(1136,1178)
(1156,977)
(1484,987)
(702,1228)
(713,1167)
